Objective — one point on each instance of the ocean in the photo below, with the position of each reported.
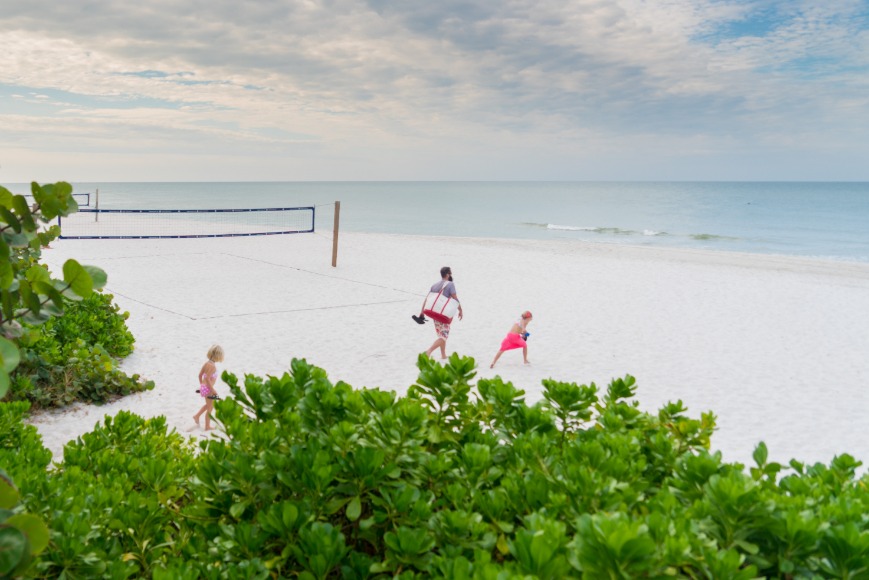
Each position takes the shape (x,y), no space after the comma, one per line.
(820,220)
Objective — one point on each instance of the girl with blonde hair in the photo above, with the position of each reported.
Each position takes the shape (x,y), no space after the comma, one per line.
(207,379)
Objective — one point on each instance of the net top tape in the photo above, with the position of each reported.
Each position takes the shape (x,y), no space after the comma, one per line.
(167,237)
(267,229)
(195,210)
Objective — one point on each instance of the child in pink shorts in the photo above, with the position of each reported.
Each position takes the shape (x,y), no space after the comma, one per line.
(516,338)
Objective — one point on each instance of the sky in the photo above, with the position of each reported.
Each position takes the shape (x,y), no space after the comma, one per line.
(347,90)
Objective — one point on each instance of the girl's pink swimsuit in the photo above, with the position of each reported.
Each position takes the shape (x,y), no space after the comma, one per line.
(513,340)
(204,389)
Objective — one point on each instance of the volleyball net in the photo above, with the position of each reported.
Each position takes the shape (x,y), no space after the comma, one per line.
(95,224)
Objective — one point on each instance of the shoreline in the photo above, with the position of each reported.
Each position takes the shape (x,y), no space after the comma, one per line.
(733,257)
(770,344)
(821,220)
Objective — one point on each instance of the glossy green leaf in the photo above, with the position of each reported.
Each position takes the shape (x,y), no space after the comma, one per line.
(760,454)
(98,277)
(32,527)
(9,218)
(13,549)
(9,355)
(354,509)
(5,197)
(8,494)
(38,273)
(237,509)
(22,208)
(77,278)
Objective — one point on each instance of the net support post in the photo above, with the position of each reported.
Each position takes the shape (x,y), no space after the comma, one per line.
(97,214)
(335,235)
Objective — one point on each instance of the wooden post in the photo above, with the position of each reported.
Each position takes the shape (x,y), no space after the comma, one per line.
(97,214)
(335,235)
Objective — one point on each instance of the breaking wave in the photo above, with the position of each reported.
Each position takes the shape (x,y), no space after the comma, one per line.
(596,230)
(647,232)
(705,237)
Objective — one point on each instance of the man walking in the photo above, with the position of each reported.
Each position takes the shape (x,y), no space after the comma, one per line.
(448,290)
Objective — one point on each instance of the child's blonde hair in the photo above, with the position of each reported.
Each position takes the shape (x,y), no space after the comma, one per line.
(215,353)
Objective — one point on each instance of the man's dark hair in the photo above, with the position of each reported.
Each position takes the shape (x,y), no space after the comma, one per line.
(445,270)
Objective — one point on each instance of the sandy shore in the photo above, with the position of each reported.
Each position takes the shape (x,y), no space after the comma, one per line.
(776,347)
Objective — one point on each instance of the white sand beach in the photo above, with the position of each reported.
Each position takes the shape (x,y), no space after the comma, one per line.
(776,347)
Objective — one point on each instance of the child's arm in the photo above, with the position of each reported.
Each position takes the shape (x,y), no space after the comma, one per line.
(207,375)
(212,375)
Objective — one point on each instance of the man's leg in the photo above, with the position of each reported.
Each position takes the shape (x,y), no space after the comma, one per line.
(438,343)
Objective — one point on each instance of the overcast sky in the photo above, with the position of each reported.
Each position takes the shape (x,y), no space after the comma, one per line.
(234,90)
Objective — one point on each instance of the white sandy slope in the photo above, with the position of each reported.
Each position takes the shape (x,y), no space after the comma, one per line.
(776,347)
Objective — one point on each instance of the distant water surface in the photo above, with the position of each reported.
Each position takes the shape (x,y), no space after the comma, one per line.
(822,220)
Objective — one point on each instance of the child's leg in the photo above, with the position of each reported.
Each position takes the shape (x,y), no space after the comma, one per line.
(199,413)
(210,407)
(497,356)
(525,354)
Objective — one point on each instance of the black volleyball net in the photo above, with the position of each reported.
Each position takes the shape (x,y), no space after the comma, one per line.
(185,223)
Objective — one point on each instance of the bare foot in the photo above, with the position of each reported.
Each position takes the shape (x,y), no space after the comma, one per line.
(527,362)
(196,420)
(210,428)
(491,366)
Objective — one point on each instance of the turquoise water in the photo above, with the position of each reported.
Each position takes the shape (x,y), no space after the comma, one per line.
(825,220)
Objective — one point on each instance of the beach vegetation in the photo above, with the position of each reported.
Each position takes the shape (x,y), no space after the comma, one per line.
(459,478)
(61,337)
(28,292)
(74,356)
(23,535)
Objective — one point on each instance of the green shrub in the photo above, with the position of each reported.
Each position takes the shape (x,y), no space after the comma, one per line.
(72,357)
(87,374)
(29,294)
(95,320)
(311,479)
(22,535)
(23,459)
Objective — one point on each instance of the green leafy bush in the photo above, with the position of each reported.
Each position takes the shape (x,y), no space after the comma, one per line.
(29,295)
(312,479)
(23,459)
(22,536)
(86,373)
(72,357)
(95,320)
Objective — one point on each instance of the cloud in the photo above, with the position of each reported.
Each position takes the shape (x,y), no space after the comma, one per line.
(384,76)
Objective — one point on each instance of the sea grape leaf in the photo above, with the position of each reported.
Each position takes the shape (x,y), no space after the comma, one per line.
(32,527)
(9,355)
(8,494)
(13,549)
(78,279)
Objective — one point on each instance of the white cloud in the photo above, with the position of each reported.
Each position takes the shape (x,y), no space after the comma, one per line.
(417,81)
